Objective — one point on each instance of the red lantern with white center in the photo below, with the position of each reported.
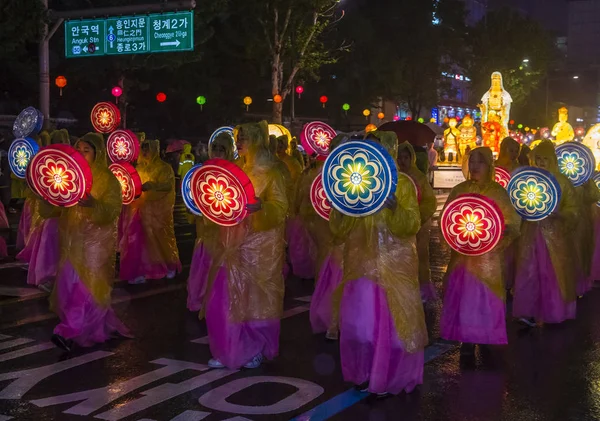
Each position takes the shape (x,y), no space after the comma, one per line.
(318,198)
(123,146)
(131,184)
(60,175)
(105,117)
(221,190)
(502,176)
(299,90)
(316,137)
(472,224)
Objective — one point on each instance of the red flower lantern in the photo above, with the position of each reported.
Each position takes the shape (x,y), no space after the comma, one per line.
(161,97)
(60,82)
(299,90)
(324,100)
(117,92)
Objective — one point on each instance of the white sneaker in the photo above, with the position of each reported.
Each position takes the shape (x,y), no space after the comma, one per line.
(46,287)
(527,322)
(137,281)
(171,274)
(254,362)
(214,363)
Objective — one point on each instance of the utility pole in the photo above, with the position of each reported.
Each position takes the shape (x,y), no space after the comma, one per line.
(44,68)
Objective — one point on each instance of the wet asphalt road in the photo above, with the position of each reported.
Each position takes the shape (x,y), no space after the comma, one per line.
(543,374)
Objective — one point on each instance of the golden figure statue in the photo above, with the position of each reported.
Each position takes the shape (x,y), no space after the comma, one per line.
(451,137)
(495,104)
(468,135)
(562,131)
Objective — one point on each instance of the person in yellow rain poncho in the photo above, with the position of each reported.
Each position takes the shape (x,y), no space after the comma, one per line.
(294,152)
(186,160)
(328,256)
(407,163)
(544,289)
(244,300)
(88,237)
(382,325)
(474,310)
(221,147)
(148,246)
(41,251)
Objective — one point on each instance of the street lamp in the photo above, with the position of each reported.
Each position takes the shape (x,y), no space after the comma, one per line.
(575,77)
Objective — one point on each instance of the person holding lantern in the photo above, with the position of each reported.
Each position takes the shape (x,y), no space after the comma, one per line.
(407,163)
(186,160)
(474,300)
(545,281)
(150,237)
(247,264)
(88,232)
(382,324)
(197,283)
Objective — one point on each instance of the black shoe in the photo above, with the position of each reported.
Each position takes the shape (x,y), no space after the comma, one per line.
(363,387)
(61,342)
(467,349)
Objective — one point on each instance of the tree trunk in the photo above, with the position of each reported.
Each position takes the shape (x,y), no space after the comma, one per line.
(277,116)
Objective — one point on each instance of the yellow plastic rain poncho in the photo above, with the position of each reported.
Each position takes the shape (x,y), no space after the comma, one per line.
(487,268)
(282,168)
(186,160)
(381,248)
(294,169)
(252,251)
(427,207)
(156,207)
(504,160)
(295,153)
(556,230)
(60,137)
(88,235)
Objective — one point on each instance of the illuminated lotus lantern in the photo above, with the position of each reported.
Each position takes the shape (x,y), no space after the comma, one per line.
(221,191)
(318,198)
(315,138)
(186,191)
(131,184)
(502,176)
(229,131)
(472,224)
(358,177)
(19,155)
(29,122)
(105,117)
(596,178)
(279,130)
(592,141)
(123,146)
(534,193)
(576,161)
(60,175)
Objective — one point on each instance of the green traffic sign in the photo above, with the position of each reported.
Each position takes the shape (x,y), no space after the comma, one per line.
(153,33)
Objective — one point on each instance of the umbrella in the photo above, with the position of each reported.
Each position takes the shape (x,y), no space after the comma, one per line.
(416,133)
(176,145)
(436,129)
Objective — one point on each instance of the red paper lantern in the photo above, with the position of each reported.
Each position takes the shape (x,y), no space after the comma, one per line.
(117,91)
(396,118)
(60,82)
(161,97)
(299,90)
(131,184)
(409,118)
(323,100)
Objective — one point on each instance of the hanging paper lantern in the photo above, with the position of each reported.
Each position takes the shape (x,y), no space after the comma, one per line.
(366,112)
(358,177)
(123,146)
(511,122)
(421,120)
(20,153)
(346,107)
(370,128)
(319,199)
(117,91)
(201,100)
(277,99)
(396,118)
(105,117)
(247,102)
(161,97)
(534,193)
(131,184)
(381,116)
(502,176)
(29,122)
(409,118)
(229,131)
(520,126)
(186,191)
(315,138)
(576,161)
(221,191)
(60,82)
(299,90)
(60,175)
(323,100)
(472,224)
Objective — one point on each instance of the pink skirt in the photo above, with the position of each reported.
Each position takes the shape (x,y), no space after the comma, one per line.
(472,313)
(329,278)
(299,249)
(370,348)
(24,225)
(81,318)
(198,278)
(235,344)
(595,267)
(42,253)
(537,293)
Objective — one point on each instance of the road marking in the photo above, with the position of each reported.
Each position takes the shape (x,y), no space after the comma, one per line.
(3,337)
(306,299)
(14,343)
(5,418)
(12,265)
(25,351)
(191,416)
(19,292)
(352,396)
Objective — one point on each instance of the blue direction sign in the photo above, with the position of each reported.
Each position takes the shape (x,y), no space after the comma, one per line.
(153,33)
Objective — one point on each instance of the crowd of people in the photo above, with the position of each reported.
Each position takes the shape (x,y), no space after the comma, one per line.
(372,274)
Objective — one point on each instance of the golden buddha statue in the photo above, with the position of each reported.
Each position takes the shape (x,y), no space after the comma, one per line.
(468,135)
(451,138)
(495,104)
(562,131)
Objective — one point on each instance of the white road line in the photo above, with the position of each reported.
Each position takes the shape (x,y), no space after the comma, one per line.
(190,415)
(25,351)
(19,292)
(12,265)
(14,343)
(3,337)
(306,299)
